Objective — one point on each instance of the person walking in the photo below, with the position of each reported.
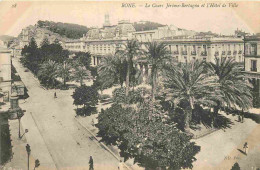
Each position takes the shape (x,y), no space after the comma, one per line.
(55,95)
(245,148)
(91,166)
(120,165)
(243,114)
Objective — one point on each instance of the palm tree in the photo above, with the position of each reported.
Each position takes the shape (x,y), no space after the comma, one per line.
(157,54)
(233,85)
(80,74)
(64,72)
(48,72)
(129,50)
(111,70)
(188,83)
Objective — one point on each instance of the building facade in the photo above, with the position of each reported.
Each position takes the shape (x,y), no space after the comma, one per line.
(184,45)
(252,65)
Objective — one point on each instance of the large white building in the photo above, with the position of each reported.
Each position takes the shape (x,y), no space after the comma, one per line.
(184,45)
(252,65)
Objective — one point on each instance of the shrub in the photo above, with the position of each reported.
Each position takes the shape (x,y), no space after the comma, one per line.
(135,96)
(86,96)
(146,137)
(86,111)
(119,95)
(103,97)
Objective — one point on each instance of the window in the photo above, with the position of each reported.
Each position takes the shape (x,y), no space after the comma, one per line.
(253,49)
(253,65)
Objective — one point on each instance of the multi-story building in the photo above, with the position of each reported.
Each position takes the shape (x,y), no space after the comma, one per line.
(102,41)
(252,65)
(186,49)
(184,45)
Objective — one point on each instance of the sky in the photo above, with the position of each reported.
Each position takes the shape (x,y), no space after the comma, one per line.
(223,20)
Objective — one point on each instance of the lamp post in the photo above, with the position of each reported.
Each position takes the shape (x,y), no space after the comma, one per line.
(28,149)
(19,116)
(37,163)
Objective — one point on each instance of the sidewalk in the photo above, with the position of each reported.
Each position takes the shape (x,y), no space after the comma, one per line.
(220,150)
(87,123)
(39,149)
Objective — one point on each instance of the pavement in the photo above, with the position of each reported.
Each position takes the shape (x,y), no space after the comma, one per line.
(61,142)
(221,149)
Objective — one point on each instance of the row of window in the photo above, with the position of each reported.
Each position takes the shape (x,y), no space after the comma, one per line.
(184,47)
(177,58)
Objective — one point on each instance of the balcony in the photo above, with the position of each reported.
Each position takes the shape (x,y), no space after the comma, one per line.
(252,53)
(240,52)
(223,52)
(234,52)
(216,53)
(204,53)
(229,53)
(184,53)
(193,53)
(254,69)
(175,52)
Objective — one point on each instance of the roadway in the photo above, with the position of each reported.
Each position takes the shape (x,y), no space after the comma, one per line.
(67,142)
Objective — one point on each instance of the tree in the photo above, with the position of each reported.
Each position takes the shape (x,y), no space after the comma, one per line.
(84,58)
(128,51)
(146,137)
(31,57)
(48,73)
(235,166)
(112,70)
(235,90)
(45,42)
(86,96)
(190,84)
(64,72)
(80,74)
(156,54)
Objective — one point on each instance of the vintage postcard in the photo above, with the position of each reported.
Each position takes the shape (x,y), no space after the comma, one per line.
(129,85)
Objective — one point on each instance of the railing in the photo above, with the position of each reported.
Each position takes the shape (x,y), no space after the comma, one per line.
(223,52)
(229,53)
(216,53)
(252,53)
(234,52)
(253,69)
(175,52)
(193,53)
(184,53)
(204,53)
(240,52)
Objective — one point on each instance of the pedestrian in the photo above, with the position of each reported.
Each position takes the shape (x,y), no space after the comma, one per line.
(120,165)
(239,118)
(92,123)
(91,167)
(243,114)
(55,95)
(245,148)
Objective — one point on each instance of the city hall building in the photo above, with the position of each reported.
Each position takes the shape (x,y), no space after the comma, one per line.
(184,45)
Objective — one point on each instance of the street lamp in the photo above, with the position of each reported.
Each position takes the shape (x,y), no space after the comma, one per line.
(19,116)
(37,163)
(28,149)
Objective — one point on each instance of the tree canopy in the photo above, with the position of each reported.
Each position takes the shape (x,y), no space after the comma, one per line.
(73,31)
(146,138)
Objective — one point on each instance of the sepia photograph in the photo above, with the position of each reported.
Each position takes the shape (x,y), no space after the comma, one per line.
(129,85)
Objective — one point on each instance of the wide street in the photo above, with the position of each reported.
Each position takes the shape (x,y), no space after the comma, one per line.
(67,142)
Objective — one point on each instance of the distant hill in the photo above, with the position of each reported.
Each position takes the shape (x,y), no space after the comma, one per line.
(146,25)
(72,31)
